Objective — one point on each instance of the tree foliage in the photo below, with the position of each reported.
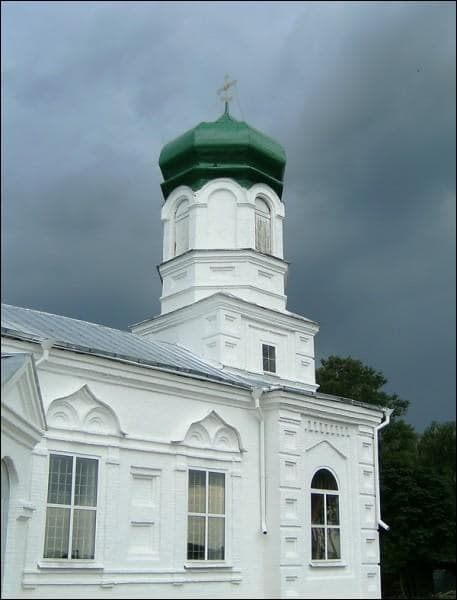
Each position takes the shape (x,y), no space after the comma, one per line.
(350,378)
(418,502)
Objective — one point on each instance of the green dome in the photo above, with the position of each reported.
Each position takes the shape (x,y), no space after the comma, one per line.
(223,148)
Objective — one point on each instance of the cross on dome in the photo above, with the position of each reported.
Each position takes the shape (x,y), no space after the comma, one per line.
(223,92)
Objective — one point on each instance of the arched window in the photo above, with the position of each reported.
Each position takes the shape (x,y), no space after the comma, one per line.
(182,227)
(325,517)
(262,226)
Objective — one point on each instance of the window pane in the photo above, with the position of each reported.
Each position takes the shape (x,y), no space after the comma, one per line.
(317,509)
(60,474)
(196,538)
(324,480)
(262,233)
(86,482)
(333,543)
(216,538)
(262,207)
(333,514)
(197,491)
(56,537)
(318,543)
(83,534)
(216,500)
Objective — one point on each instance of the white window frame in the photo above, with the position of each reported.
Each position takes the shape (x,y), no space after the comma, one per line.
(207,515)
(72,506)
(325,492)
(269,359)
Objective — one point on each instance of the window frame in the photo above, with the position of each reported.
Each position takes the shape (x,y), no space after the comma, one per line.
(207,515)
(268,358)
(183,219)
(72,507)
(260,216)
(325,492)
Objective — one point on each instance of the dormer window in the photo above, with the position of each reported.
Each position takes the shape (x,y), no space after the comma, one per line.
(182,228)
(262,226)
(269,358)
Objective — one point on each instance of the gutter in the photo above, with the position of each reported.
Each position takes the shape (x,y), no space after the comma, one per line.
(387,413)
(256,395)
(46,346)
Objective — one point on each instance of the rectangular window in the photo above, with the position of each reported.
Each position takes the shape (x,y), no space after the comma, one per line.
(269,358)
(206,516)
(71,507)
(325,526)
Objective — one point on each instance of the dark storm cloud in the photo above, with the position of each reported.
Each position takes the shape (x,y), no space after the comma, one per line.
(361,95)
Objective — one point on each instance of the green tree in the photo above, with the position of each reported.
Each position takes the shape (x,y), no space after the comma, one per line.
(350,378)
(437,450)
(418,502)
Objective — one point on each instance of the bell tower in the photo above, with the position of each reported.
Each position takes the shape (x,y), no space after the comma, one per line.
(223,271)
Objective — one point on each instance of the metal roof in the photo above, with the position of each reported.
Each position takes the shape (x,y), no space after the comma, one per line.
(11,363)
(114,343)
(91,338)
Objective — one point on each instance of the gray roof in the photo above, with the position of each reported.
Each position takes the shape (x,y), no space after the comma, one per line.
(11,363)
(90,338)
(82,336)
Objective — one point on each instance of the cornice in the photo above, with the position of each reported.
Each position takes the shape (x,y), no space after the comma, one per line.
(228,287)
(289,321)
(312,406)
(205,255)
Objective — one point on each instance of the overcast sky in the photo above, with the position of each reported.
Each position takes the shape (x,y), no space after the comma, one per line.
(361,96)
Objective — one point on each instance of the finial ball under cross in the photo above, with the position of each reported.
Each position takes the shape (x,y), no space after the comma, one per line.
(223,92)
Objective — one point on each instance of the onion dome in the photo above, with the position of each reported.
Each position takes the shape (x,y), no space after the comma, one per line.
(222,148)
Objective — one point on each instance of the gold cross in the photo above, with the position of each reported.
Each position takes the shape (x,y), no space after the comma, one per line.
(223,92)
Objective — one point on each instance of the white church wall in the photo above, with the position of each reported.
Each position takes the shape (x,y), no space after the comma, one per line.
(221,216)
(229,332)
(142,510)
(302,441)
(143,470)
(22,425)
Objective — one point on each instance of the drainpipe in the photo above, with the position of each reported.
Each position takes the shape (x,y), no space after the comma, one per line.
(387,413)
(257,394)
(46,345)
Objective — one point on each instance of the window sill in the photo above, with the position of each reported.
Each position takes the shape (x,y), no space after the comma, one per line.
(327,564)
(70,565)
(199,565)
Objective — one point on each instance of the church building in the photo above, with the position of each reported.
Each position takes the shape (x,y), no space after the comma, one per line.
(192,456)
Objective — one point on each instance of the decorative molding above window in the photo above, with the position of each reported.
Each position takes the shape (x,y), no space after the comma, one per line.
(214,433)
(83,411)
(328,444)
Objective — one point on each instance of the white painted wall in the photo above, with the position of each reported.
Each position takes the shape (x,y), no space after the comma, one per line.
(22,427)
(226,330)
(222,246)
(140,438)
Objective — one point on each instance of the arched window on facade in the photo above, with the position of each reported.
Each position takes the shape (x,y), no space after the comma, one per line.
(325,517)
(262,226)
(182,227)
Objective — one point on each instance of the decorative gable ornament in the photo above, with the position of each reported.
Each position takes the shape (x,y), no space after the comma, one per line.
(213,433)
(83,411)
